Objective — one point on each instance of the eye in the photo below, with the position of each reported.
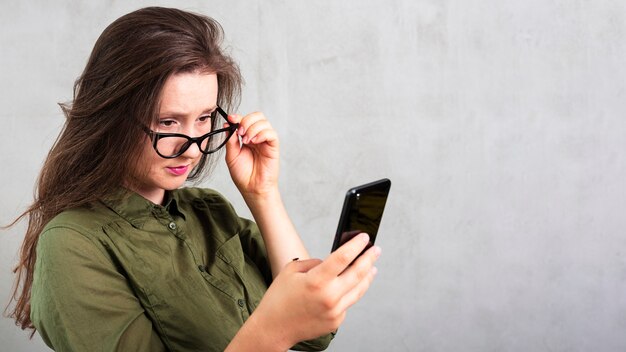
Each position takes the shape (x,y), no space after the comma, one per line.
(204,118)
(167,123)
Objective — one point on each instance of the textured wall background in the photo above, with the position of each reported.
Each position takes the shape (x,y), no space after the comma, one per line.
(500,123)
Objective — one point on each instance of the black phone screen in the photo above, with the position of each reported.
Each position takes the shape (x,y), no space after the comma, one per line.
(362,212)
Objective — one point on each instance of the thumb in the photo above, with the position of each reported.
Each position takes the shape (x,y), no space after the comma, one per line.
(302,266)
(232,148)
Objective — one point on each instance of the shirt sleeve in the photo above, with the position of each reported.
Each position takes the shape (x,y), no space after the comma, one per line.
(319,344)
(80,302)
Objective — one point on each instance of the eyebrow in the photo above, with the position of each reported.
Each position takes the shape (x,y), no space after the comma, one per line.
(178,114)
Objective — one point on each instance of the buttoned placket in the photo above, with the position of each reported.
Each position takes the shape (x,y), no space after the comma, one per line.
(167,220)
(223,286)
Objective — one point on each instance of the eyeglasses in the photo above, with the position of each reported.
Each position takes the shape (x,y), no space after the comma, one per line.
(172,145)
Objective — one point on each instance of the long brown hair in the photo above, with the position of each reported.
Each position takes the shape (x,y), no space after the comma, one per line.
(119,88)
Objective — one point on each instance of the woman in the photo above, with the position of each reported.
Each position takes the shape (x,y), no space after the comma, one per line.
(118,257)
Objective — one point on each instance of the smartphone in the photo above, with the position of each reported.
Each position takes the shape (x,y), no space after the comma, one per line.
(362,212)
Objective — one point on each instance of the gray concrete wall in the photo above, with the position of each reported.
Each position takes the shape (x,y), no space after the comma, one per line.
(500,123)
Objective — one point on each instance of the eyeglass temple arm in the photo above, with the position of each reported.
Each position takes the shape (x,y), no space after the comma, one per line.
(148,131)
(225,115)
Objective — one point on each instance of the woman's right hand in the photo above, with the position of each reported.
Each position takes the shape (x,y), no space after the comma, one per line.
(309,298)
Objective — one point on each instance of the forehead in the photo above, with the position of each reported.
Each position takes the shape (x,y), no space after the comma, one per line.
(188,93)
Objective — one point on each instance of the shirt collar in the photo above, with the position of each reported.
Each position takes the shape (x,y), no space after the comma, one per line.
(172,202)
(136,209)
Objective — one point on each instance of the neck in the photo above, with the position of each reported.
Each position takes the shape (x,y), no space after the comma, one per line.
(153,194)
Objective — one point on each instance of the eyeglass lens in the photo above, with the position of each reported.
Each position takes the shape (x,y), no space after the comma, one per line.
(173,145)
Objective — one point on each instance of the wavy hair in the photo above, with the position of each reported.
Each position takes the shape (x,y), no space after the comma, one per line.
(100,142)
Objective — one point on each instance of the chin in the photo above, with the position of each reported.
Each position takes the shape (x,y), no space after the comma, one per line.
(170,186)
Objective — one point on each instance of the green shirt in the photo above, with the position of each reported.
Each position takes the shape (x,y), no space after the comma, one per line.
(128,275)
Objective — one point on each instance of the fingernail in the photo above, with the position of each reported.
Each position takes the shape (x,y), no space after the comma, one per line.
(241,131)
(377,251)
(365,237)
(374,271)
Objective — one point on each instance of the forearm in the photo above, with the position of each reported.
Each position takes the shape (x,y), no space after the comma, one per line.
(281,239)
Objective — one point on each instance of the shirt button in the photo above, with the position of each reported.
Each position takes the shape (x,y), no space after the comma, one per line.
(241,302)
(172,225)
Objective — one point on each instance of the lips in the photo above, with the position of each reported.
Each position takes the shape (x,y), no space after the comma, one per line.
(178,170)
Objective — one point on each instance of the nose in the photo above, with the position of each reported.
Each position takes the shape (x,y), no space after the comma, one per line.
(192,152)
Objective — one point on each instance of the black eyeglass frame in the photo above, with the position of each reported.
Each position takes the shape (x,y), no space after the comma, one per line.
(156,136)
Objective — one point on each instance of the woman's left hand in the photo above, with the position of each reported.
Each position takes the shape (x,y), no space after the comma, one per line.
(254,163)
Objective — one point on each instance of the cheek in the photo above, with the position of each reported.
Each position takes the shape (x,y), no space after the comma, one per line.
(146,161)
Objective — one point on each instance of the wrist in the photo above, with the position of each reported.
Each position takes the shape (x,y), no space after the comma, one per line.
(264,198)
(263,335)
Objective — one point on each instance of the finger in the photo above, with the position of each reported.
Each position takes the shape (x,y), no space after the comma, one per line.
(255,129)
(232,148)
(248,121)
(266,136)
(359,270)
(357,292)
(339,260)
(234,118)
